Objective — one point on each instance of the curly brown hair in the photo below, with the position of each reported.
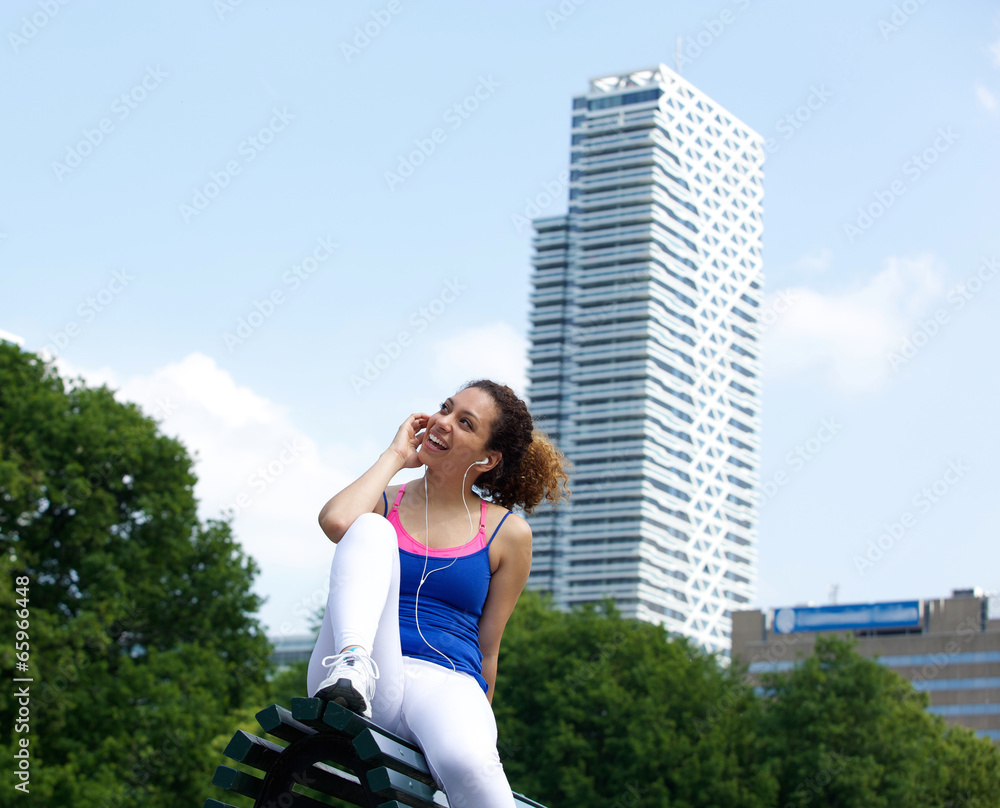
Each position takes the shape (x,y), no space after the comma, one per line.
(531,468)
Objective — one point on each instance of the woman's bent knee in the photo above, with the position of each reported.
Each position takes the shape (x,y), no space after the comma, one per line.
(372,527)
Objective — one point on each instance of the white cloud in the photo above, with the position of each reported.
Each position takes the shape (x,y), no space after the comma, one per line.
(494,351)
(995,52)
(815,263)
(252,458)
(847,336)
(6,336)
(986,99)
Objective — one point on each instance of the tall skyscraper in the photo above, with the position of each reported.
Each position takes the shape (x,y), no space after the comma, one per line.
(644,354)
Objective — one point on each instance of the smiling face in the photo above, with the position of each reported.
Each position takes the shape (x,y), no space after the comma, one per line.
(457,434)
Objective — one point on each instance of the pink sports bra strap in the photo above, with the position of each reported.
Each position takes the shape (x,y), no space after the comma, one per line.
(399,496)
(482,507)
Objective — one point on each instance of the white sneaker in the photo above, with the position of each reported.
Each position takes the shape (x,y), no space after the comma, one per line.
(350,682)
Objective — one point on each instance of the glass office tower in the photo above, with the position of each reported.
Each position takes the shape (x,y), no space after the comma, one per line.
(644,359)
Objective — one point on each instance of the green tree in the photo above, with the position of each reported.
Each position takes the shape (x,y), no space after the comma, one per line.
(843,731)
(288,683)
(143,643)
(596,710)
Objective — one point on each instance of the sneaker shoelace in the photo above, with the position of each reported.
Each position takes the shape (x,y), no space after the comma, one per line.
(358,660)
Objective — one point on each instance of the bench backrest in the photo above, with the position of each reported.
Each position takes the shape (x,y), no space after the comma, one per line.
(328,750)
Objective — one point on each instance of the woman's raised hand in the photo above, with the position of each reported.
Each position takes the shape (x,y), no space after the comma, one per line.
(408,437)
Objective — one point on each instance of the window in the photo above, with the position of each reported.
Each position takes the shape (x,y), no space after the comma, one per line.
(964,709)
(621,100)
(978,683)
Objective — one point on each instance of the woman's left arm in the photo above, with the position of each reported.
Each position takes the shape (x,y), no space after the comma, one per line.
(506,585)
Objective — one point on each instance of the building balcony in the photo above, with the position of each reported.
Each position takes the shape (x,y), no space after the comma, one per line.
(624,252)
(587,239)
(546,296)
(548,261)
(588,201)
(609,451)
(546,352)
(600,143)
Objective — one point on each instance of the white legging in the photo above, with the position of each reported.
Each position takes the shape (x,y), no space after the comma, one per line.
(444,712)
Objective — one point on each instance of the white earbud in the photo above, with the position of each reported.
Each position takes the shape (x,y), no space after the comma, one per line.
(482,462)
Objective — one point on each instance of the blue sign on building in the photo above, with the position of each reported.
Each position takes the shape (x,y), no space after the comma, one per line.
(901,614)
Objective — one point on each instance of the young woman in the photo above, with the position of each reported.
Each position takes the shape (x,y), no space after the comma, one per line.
(425,577)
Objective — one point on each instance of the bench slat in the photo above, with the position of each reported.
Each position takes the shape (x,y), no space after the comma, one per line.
(325,714)
(262,754)
(310,712)
(334,783)
(278,721)
(343,719)
(257,752)
(395,785)
(353,724)
(394,771)
(372,745)
(238,782)
(393,804)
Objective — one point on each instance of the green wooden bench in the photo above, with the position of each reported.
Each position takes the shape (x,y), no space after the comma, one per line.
(330,751)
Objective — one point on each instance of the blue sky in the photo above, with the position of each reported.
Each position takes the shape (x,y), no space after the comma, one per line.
(199,209)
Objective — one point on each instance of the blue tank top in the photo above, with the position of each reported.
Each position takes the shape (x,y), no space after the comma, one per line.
(451,598)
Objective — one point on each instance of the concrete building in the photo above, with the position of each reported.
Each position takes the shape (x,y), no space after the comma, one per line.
(291,648)
(644,367)
(949,648)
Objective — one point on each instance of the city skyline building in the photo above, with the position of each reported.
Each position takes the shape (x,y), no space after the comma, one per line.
(643,365)
(948,648)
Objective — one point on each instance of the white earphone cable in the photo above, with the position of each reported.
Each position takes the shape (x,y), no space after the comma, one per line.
(425,574)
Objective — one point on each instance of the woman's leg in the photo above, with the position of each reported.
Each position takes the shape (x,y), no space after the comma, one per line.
(363,609)
(449,717)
